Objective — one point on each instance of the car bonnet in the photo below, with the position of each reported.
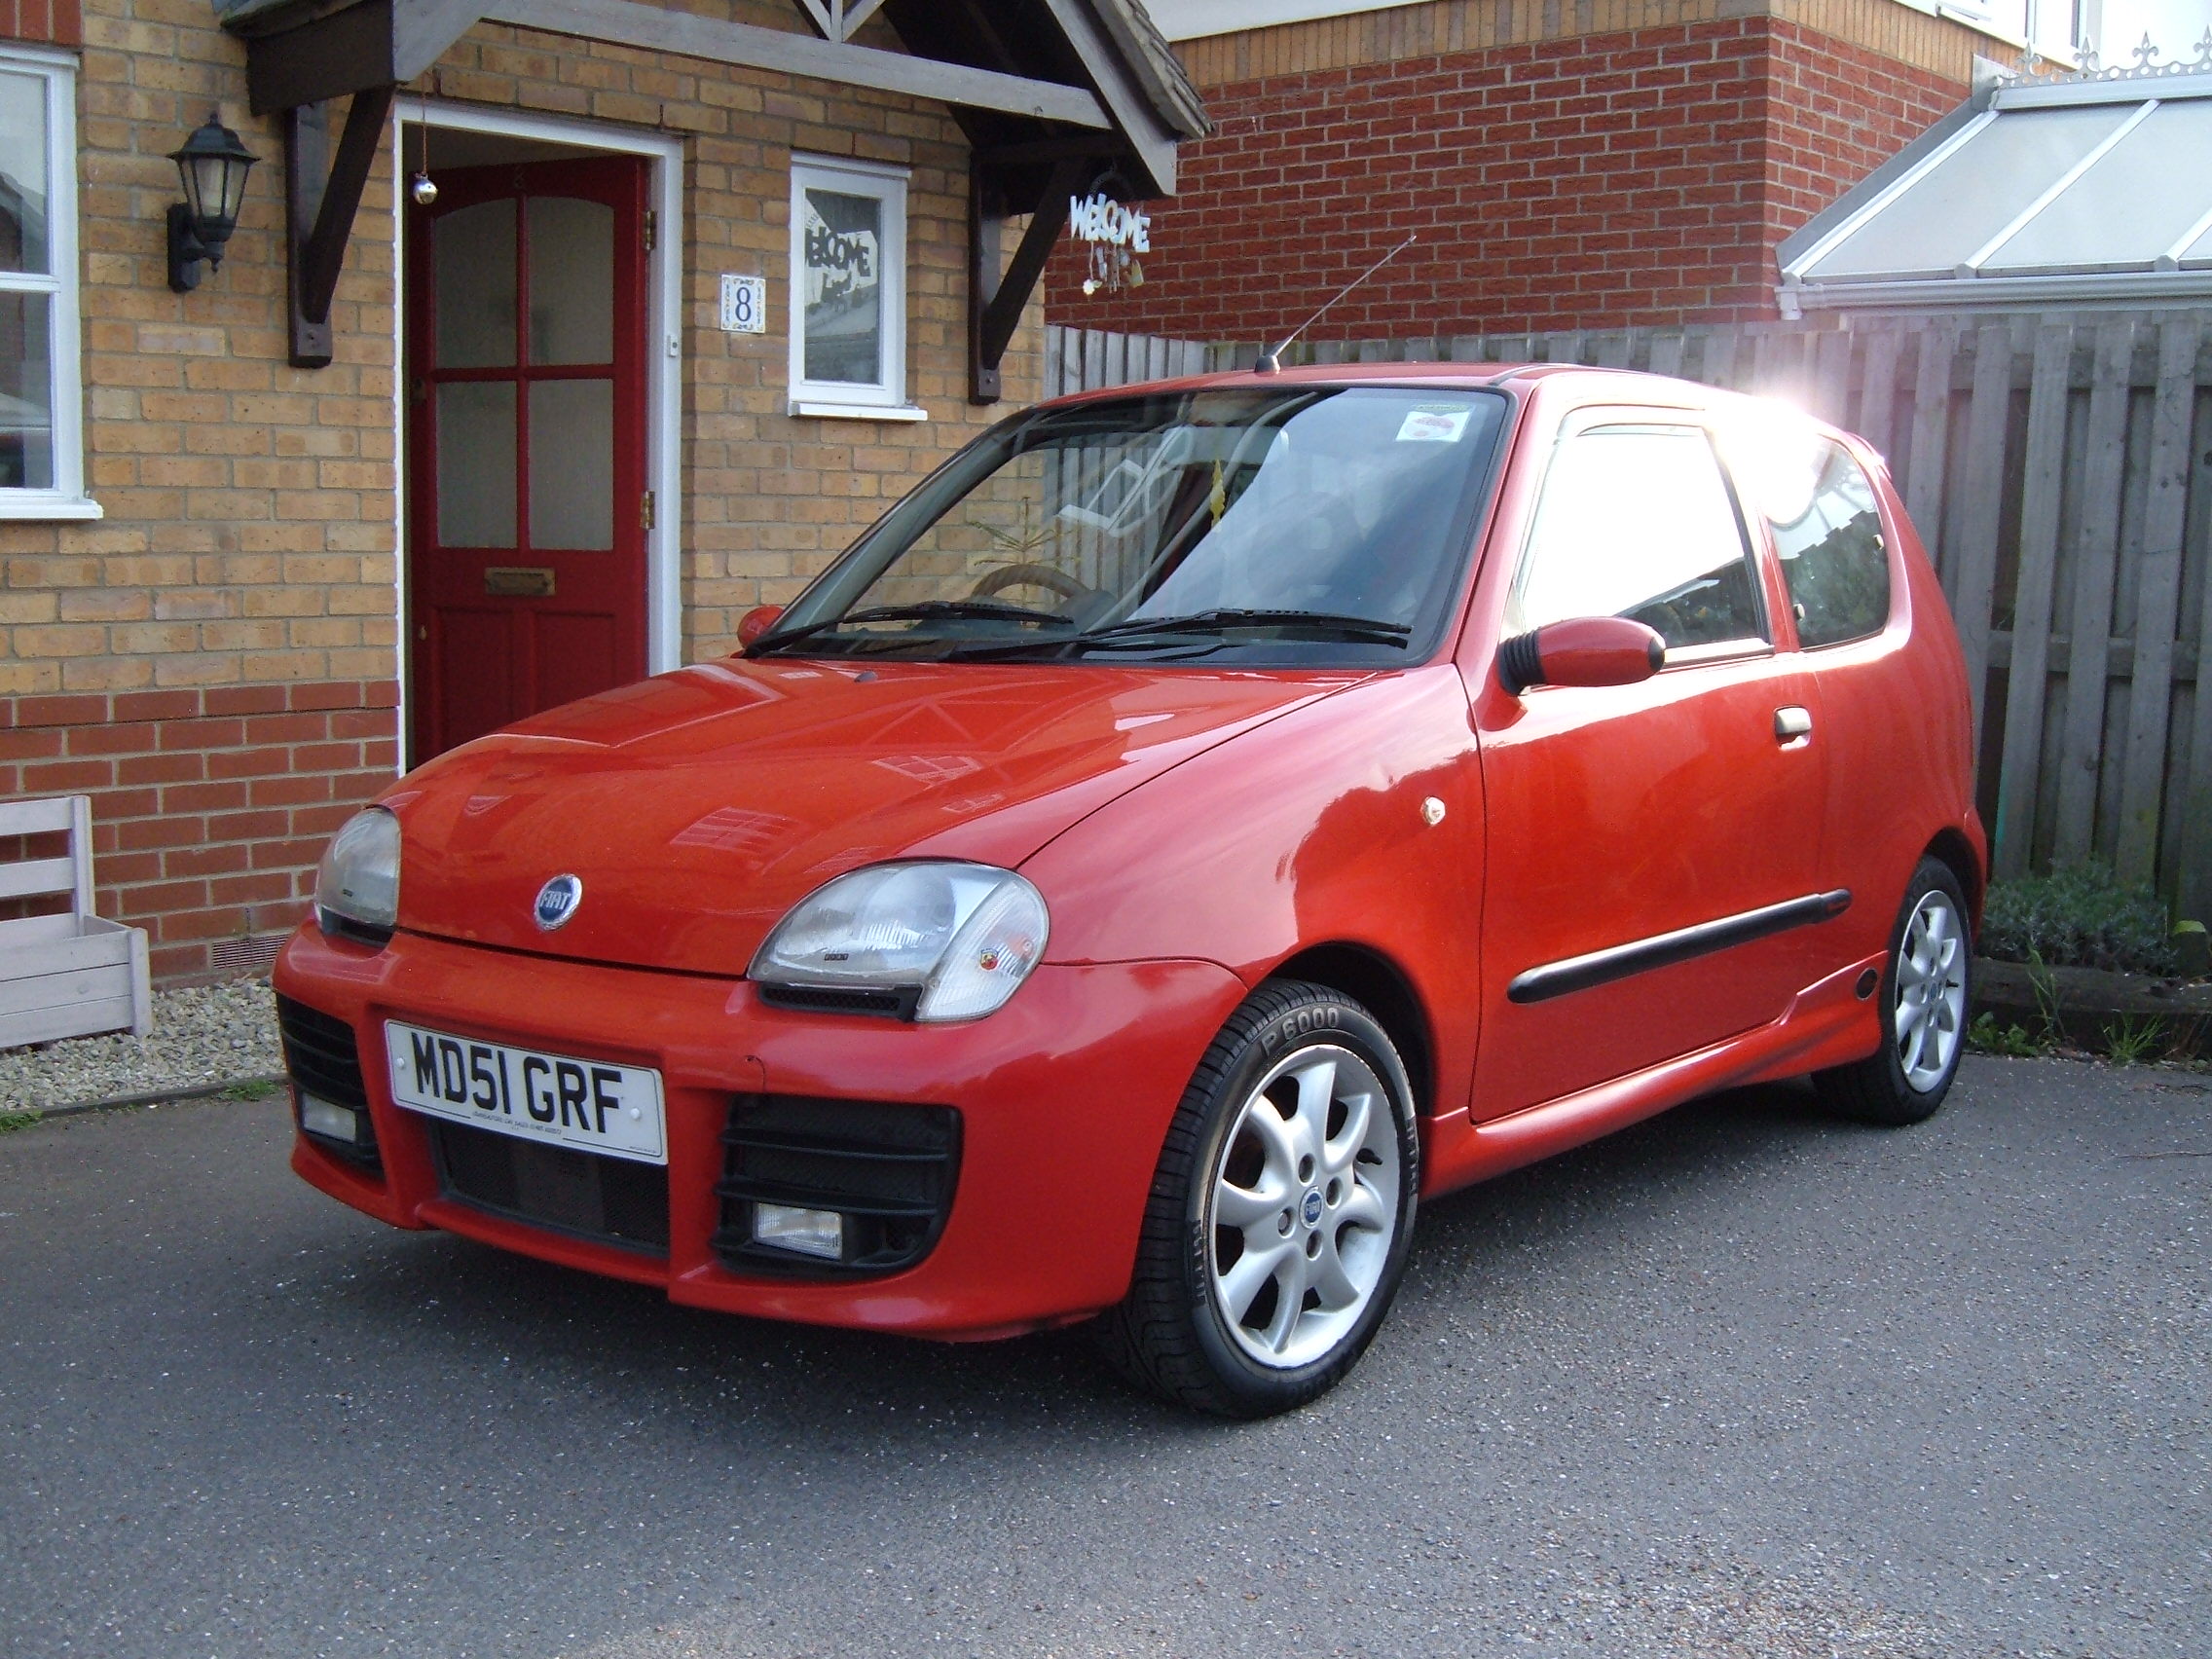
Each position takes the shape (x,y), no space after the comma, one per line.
(698,807)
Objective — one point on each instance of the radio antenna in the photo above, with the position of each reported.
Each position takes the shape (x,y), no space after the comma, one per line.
(1270,363)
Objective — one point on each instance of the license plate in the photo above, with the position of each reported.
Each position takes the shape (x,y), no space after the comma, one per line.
(591,1105)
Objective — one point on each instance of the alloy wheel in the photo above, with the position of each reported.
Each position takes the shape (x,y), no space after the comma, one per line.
(1303,1201)
(1931,991)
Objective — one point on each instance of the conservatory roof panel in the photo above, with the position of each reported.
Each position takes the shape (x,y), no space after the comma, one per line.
(2097,187)
(2131,206)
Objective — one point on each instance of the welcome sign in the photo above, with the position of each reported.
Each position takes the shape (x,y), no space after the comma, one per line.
(1116,233)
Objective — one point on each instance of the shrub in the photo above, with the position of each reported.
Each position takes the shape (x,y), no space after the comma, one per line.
(2078,916)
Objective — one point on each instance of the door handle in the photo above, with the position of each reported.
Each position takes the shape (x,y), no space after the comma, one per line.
(1792,726)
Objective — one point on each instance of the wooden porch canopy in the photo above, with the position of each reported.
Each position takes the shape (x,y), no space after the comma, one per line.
(1051,94)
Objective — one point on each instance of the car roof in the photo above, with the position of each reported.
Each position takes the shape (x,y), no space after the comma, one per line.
(1581,384)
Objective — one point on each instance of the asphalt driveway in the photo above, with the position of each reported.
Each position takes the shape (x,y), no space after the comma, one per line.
(1741,1381)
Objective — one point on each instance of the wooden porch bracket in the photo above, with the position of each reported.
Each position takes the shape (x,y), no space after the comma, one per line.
(320,198)
(1079,84)
(995,302)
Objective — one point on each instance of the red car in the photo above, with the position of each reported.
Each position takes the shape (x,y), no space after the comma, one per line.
(1195,821)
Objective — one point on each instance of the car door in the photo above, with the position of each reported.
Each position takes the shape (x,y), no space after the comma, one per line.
(1879,699)
(1654,849)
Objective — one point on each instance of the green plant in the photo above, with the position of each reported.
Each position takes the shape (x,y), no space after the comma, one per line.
(11,1120)
(2078,916)
(1986,1037)
(259,1088)
(2043,983)
(2129,1040)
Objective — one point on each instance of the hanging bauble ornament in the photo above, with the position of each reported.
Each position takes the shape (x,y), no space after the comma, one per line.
(424,191)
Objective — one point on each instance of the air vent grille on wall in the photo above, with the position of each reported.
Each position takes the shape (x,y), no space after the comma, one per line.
(245,953)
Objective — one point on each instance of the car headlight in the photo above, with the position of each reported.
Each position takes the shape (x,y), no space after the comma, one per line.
(957,939)
(356,890)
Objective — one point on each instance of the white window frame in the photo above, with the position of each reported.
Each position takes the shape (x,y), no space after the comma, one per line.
(66,499)
(885,400)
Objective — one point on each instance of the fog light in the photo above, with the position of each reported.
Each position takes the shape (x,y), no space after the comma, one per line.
(809,1231)
(329,1120)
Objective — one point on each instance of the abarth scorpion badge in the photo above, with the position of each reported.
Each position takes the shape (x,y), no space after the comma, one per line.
(557,902)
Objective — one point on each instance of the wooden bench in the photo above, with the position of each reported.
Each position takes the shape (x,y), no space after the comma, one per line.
(72,973)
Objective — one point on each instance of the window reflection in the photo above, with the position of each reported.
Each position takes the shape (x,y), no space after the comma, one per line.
(1832,555)
(27,381)
(1637,522)
(24,185)
(843,277)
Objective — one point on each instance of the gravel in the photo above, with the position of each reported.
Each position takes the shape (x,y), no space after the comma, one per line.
(203,1035)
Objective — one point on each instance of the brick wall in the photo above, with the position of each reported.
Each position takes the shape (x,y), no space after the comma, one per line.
(249,548)
(1835,112)
(1576,181)
(212,806)
(45,22)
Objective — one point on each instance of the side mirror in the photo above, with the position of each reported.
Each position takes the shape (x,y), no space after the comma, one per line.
(756,622)
(1582,651)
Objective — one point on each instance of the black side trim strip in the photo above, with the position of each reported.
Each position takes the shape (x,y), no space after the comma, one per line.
(1663,950)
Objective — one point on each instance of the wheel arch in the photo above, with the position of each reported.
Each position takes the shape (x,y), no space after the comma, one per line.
(1951,847)
(1381,986)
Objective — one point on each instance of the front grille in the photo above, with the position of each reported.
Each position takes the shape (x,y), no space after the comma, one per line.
(612,1201)
(888,1169)
(324,1061)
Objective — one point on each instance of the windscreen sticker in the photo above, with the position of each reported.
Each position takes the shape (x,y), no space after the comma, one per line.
(1433,426)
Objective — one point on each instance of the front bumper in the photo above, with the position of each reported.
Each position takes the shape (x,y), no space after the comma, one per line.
(1064,1096)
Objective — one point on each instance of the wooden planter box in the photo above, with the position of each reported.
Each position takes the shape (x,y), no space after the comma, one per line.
(74,973)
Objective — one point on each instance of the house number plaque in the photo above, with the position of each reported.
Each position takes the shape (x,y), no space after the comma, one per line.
(745,305)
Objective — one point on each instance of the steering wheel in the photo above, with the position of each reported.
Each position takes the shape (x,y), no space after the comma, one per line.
(1046,576)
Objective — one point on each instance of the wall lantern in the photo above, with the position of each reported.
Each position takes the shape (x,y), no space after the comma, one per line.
(213,164)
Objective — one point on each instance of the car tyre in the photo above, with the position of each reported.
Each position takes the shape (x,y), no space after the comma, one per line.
(1923,1000)
(1280,1213)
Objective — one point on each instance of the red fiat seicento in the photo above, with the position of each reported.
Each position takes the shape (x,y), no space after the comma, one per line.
(1197,823)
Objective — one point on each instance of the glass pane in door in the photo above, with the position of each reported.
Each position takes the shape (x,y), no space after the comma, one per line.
(571,280)
(476,464)
(572,464)
(472,251)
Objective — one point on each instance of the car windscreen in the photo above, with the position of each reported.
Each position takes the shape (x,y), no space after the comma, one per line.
(1307,525)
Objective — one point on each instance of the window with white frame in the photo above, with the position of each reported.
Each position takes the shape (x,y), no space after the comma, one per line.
(41,432)
(848,303)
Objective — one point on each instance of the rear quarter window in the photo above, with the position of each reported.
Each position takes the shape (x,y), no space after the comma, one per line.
(1828,529)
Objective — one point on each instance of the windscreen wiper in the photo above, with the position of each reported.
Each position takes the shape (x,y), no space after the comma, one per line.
(927,611)
(1319,624)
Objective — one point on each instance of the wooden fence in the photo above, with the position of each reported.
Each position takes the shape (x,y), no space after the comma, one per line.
(2060,469)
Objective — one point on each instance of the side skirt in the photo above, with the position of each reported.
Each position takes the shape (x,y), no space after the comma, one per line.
(1826,1024)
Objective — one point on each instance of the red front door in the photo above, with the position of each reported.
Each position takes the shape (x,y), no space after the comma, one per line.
(527,434)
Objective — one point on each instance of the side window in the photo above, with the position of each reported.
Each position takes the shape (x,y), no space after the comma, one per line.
(41,427)
(1638,522)
(1832,550)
